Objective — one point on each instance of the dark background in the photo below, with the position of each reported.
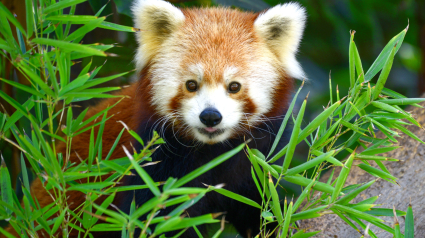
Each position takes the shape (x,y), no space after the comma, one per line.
(324,49)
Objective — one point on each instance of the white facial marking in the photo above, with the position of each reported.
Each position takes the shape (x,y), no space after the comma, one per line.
(166,81)
(230,73)
(217,98)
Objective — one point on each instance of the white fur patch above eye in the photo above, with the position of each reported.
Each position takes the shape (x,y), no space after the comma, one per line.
(157,20)
(281,27)
(229,73)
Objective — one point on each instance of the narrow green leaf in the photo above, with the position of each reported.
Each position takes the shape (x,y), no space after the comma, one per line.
(384,106)
(97,81)
(61,5)
(213,163)
(384,73)
(116,217)
(143,174)
(195,221)
(198,232)
(359,67)
(6,186)
(356,213)
(117,27)
(266,166)
(402,101)
(374,157)
(69,47)
(407,132)
(294,137)
(90,186)
(350,196)
(24,88)
(36,79)
(288,215)
(167,225)
(388,212)
(330,159)
(303,195)
(7,234)
(58,221)
(307,214)
(5,12)
(309,129)
(319,186)
(275,203)
(352,127)
(409,228)
(285,121)
(310,164)
(342,177)
(82,31)
(29,17)
(302,234)
(237,197)
(352,61)
(385,53)
(375,151)
(75,19)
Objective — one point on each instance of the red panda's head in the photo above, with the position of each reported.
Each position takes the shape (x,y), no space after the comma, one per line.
(215,73)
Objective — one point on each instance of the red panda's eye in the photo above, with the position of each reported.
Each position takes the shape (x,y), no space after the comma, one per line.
(191,85)
(234,87)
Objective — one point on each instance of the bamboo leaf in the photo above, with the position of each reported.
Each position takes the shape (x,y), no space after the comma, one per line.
(310,164)
(384,106)
(294,137)
(143,174)
(236,197)
(82,31)
(385,212)
(385,53)
(356,213)
(384,73)
(319,186)
(6,186)
(5,12)
(288,215)
(352,61)
(285,121)
(69,47)
(402,101)
(36,79)
(350,196)
(61,5)
(409,228)
(342,177)
(376,172)
(213,163)
(275,203)
(309,129)
(24,88)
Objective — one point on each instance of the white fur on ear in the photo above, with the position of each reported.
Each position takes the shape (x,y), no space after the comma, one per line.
(156,19)
(282,27)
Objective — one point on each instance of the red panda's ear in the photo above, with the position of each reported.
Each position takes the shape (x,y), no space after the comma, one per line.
(281,28)
(157,20)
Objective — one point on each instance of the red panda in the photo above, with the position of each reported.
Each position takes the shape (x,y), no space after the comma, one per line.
(209,79)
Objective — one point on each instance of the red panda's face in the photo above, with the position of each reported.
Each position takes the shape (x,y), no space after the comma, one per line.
(217,73)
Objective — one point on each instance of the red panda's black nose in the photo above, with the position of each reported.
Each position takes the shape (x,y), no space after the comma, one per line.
(210,117)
